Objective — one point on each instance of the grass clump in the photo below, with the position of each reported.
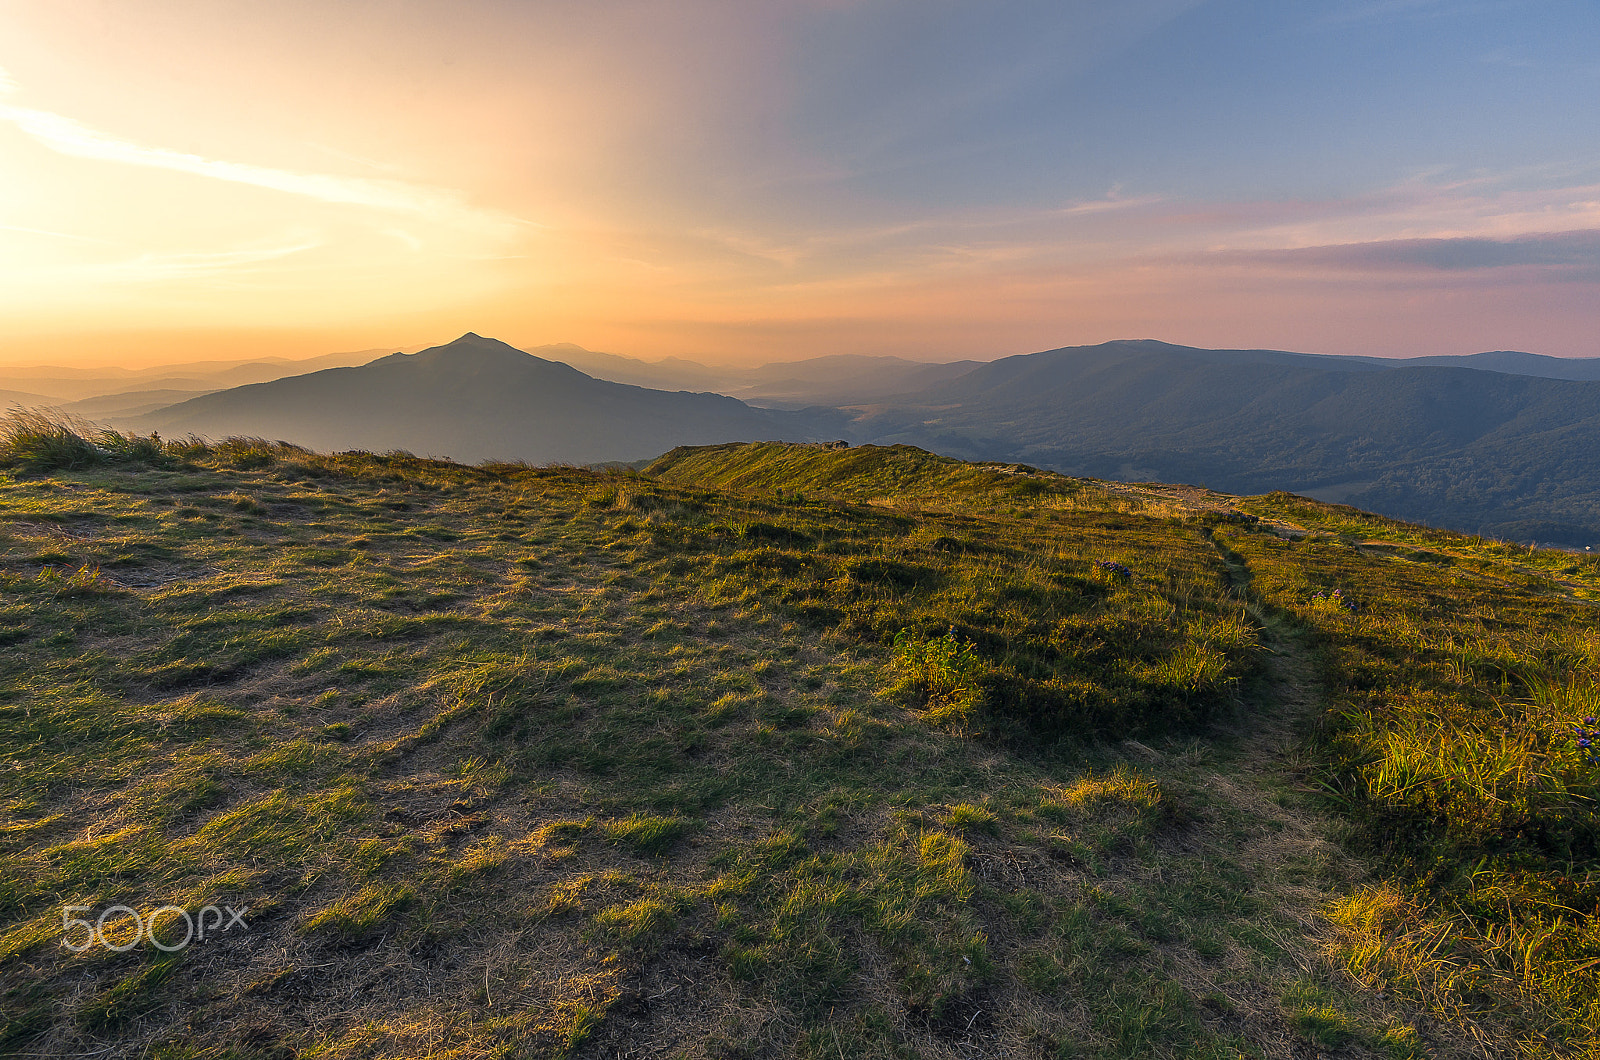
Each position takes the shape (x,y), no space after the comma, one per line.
(636,921)
(647,835)
(362,914)
(38,441)
(130,998)
(965,816)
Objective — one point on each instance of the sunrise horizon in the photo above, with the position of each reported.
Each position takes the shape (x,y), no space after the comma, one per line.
(140,353)
(736,187)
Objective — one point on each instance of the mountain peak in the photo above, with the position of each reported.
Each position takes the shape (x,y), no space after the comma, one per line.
(473,341)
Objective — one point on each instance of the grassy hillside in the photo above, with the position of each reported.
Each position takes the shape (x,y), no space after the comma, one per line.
(1457,738)
(772,751)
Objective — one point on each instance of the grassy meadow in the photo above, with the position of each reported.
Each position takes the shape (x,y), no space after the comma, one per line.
(1462,681)
(784,751)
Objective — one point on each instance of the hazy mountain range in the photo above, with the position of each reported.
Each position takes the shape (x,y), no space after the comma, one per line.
(473,399)
(1502,443)
(60,385)
(839,379)
(831,380)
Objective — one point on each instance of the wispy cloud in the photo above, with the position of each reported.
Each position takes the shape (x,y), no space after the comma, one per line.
(1553,250)
(70,137)
(1490,207)
(48,232)
(73,138)
(1112,201)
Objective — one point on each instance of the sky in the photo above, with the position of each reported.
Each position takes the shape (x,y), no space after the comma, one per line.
(740,182)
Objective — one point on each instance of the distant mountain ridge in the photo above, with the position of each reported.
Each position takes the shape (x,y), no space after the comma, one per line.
(14,398)
(55,384)
(472,400)
(861,379)
(1511,362)
(835,379)
(1483,451)
(130,403)
(1501,443)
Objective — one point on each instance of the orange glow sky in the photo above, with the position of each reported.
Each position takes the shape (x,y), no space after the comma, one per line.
(737,182)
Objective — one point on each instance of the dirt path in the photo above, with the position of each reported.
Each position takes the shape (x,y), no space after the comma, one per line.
(1261,781)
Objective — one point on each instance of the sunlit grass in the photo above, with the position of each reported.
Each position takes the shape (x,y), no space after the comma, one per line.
(1454,745)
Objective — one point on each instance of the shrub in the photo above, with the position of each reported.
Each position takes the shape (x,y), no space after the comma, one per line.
(1114,570)
(941,676)
(774,534)
(1334,601)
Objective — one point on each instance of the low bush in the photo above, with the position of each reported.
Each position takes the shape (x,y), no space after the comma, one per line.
(941,676)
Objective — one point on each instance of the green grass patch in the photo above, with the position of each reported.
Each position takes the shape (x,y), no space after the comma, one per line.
(647,835)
